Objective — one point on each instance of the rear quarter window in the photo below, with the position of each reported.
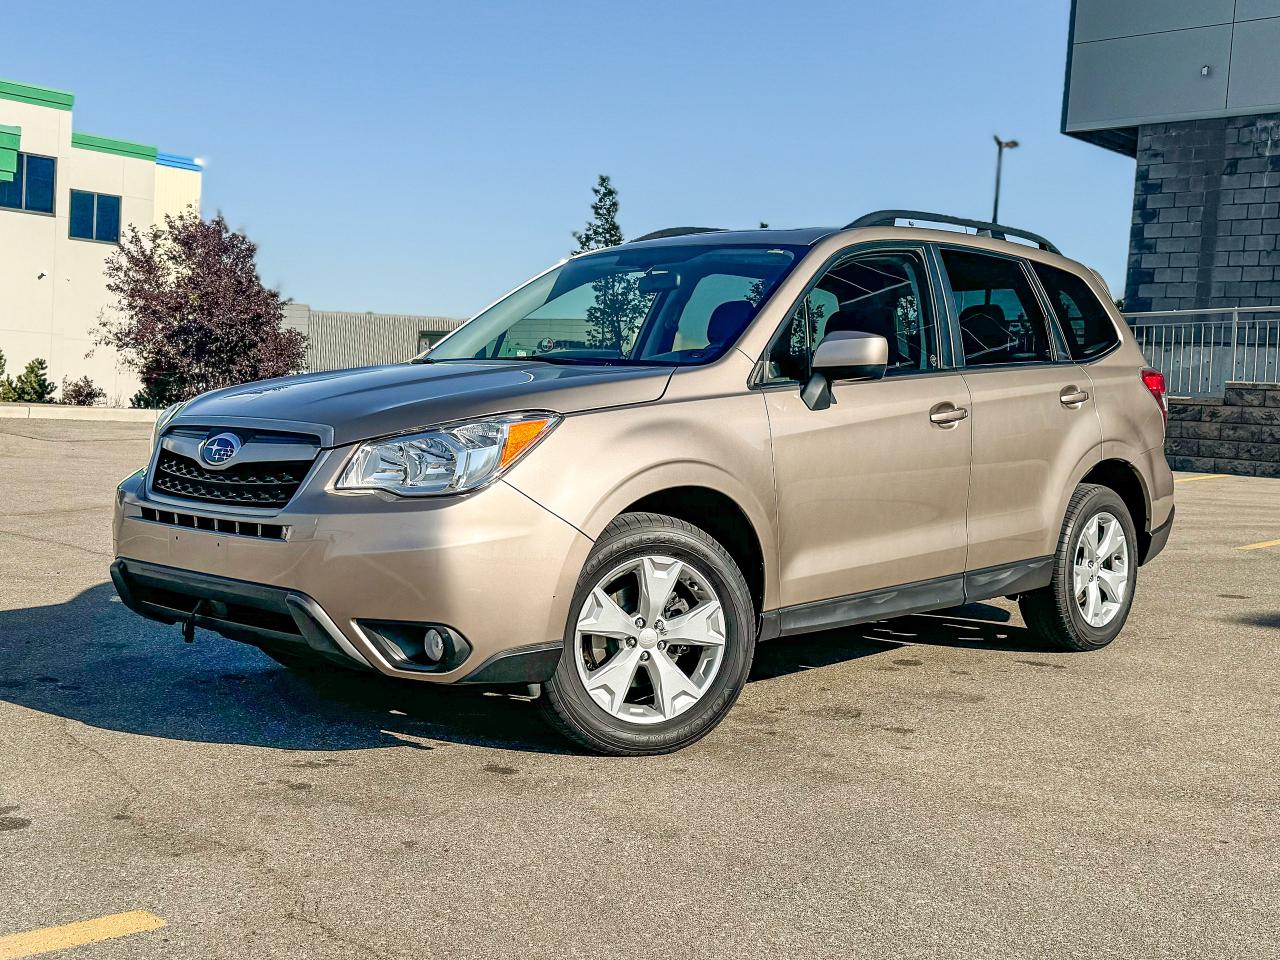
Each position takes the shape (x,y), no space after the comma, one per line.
(1083,319)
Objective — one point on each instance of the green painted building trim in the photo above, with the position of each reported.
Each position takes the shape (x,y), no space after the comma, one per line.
(39,96)
(123,148)
(10,141)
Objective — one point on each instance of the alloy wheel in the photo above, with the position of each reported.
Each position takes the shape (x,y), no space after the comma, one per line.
(1101,568)
(650,639)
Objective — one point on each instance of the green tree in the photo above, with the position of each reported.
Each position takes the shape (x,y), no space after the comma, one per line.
(619,307)
(602,229)
(32,386)
(6,385)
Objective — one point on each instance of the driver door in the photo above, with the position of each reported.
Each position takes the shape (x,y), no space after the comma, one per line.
(871,491)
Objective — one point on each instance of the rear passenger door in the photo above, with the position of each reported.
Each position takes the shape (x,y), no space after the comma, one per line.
(1033,422)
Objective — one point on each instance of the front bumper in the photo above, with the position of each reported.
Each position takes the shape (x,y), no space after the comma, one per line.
(494,567)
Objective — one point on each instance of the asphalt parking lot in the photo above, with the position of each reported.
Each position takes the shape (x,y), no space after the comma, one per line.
(935,786)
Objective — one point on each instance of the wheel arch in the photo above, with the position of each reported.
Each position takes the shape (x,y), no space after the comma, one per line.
(1127,482)
(720,516)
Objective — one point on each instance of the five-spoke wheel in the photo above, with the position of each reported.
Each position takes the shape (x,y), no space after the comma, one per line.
(650,639)
(1094,570)
(659,642)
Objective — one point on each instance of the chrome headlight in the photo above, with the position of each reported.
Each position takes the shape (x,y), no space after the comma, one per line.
(449,459)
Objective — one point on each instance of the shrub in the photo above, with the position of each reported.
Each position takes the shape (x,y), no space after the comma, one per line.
(81,393)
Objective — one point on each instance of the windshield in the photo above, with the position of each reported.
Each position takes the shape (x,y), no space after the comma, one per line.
(673,305)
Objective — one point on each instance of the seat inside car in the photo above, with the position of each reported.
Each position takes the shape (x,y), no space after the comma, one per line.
(728,321)
(986,333)
(871,315)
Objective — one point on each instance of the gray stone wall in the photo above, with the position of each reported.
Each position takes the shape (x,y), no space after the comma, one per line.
(1206,215)
(1238,433)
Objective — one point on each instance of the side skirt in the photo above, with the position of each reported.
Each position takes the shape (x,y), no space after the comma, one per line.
(920,597)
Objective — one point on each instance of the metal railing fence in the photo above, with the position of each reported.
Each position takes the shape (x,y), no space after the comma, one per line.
(1199,357)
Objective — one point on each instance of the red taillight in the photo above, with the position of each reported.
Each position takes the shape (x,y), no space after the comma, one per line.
(1153,380)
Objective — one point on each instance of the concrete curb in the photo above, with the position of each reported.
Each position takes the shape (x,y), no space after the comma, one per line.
(57,411)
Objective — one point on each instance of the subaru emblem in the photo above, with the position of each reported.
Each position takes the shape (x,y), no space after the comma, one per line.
(218,450)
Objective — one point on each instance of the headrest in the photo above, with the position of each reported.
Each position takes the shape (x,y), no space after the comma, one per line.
(991,312)
(728,320)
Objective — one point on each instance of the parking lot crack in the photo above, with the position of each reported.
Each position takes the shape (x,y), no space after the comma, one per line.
(133,792)
(301,915)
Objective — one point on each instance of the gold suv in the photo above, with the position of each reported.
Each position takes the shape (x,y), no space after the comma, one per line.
(617,480)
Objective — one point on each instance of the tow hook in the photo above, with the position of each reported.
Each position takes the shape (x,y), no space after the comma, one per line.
(189,624)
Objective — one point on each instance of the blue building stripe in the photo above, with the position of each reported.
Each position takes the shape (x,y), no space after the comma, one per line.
(174,160)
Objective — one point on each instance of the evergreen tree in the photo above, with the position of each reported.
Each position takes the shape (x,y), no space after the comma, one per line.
(6,385)
(619,308)
(32,386)
(602,229)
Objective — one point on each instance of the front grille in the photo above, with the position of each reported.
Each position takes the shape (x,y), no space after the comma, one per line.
(247,484)
(240,528)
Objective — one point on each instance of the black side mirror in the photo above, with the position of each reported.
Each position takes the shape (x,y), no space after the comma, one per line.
(844,355)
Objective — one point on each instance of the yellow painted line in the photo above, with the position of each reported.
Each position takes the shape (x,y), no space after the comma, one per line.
(35,942)
(1203,476)
(1262,546)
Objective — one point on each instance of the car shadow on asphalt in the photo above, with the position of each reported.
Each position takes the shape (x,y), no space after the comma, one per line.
(92,660)
(973,626)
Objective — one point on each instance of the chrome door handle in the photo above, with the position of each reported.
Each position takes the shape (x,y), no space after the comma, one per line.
(947,415)
(1073,396)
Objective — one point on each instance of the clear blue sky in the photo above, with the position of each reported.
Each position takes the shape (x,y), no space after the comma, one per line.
(424,157)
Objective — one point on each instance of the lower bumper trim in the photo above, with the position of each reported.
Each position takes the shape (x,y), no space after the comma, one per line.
(1159,537)
(532,664)
(236,609)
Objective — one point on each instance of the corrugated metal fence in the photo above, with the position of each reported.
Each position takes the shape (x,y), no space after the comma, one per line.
(337,339)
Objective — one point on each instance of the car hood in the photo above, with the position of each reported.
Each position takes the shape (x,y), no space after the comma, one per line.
(352,405)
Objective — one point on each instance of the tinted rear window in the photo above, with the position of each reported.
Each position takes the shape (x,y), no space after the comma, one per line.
(1082,317)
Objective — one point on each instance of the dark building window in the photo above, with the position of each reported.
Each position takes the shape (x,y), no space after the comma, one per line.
(95,216)
(32,186)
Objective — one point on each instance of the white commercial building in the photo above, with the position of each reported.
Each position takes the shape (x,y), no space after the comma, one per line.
(65,200)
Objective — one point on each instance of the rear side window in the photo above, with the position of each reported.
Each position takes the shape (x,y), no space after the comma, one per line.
(1082,317)
(1000,317)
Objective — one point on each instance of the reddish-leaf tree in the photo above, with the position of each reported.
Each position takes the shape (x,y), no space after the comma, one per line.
(191,313)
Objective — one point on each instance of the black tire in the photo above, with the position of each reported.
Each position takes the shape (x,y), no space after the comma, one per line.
(565,702)
(1052,613)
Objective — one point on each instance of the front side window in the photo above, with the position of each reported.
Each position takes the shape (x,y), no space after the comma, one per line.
(1000,319)
(671,305)
(32,185)
(883,293)
(95,216)
(1081,315)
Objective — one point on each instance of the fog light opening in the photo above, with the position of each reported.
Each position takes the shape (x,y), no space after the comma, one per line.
(433,645)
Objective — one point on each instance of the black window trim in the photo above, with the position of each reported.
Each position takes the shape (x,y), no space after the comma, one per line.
(23,208)
(1058,353)
(933,278)
(1053,316)
(95,194)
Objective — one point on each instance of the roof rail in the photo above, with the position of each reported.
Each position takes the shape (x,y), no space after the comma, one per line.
(675,232)
(888,218)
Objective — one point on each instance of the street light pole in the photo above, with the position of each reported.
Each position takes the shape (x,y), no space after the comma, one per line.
(1001,147)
